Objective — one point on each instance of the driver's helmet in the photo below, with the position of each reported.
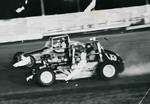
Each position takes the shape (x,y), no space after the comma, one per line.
(89,47)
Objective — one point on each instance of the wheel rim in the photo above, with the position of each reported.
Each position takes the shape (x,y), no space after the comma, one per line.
(46,77)
(109,71)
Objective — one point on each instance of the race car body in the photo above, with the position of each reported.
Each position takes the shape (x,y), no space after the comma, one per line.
(70,61)
(54,44)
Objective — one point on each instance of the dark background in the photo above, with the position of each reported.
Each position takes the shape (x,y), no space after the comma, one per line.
(33,8)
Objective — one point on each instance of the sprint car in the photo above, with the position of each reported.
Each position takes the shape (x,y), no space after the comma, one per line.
(70,60)
(53,45)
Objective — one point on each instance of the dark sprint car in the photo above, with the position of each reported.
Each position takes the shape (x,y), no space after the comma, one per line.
(62,59)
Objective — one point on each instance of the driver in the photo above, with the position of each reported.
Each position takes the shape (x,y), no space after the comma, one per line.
(78,67)
(60,45)
(63,43)
(57,45)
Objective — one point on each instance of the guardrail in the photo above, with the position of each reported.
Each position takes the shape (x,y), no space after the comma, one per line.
(38,27)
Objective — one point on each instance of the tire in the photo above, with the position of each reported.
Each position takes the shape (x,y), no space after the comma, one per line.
(107,71)
(32,63)
(17,57)
(45,77)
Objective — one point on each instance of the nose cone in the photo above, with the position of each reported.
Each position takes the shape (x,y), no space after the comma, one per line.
(23,62)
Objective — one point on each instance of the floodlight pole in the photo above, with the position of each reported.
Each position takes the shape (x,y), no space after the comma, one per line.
(146,14)
(78,5)
(147,2)
(42,8)
(147,5)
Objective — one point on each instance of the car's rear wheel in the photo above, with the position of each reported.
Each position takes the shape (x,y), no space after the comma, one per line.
(107,71)
(45,77)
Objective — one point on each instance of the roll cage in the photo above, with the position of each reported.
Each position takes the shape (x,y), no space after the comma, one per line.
(54,40)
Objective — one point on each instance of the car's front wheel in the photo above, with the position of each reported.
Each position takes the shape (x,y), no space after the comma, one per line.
(45,77)
(107,71)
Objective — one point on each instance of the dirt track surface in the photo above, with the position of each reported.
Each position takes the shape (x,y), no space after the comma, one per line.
(113,96)
(134,48)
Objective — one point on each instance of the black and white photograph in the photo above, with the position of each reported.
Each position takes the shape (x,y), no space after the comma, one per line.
(75,52)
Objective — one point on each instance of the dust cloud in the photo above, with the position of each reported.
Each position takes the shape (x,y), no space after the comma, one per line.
(136,64)
(134,70)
